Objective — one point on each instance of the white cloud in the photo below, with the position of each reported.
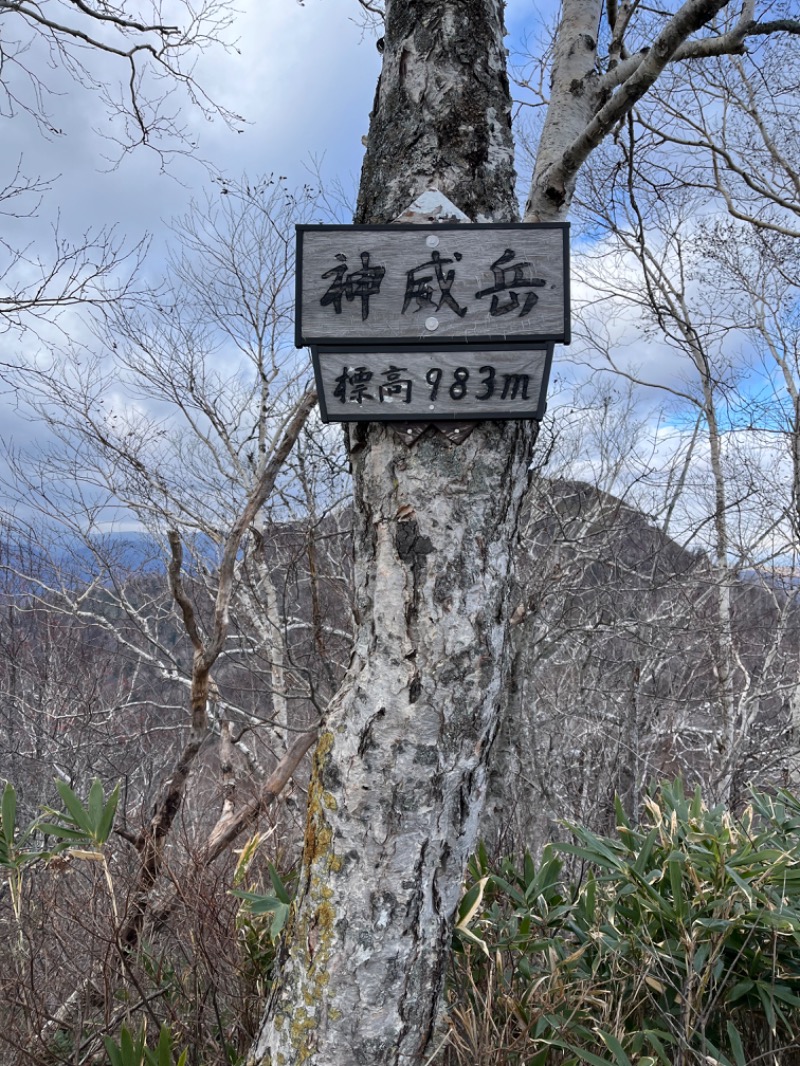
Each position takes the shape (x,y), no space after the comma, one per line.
(304,81)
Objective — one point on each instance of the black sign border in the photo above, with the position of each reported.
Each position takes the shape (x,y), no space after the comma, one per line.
(536,413)
(387,342)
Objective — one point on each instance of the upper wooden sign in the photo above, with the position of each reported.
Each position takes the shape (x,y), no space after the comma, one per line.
(396,284)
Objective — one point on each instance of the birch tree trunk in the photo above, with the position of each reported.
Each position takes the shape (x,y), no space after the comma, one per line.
(399,777)
(400,772)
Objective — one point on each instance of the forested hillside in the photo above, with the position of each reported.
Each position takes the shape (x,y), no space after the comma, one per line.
(614,686)
(613,672)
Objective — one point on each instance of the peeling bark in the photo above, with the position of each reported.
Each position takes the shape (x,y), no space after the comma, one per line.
(442,112)
(399,776)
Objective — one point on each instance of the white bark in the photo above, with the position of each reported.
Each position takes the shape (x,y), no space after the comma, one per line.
(399,776)
(573,104)
(280,705)
(583,109)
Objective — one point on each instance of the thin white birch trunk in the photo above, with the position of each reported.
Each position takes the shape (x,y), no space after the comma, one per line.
(277,657)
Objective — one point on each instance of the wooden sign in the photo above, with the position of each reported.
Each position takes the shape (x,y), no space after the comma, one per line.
(484,284)
(434,383)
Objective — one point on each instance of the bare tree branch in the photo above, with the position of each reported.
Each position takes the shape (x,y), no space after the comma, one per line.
(560,176)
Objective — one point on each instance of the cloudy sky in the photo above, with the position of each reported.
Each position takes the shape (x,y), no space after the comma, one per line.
(302,76)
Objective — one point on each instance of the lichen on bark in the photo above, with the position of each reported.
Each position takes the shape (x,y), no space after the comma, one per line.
(400,778)
(310,929)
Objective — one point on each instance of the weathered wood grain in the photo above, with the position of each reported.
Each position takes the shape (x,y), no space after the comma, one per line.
(436,384)
(430,291)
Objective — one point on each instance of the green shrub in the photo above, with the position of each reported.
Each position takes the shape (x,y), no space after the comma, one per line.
(680,945)
(261,917)
(134,1051)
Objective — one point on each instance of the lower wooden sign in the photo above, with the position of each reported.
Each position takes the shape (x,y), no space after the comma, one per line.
(413,384)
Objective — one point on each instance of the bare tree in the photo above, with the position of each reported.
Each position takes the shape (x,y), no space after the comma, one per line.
(193,422)
(147,45)
(138,59)
(617,629)
(718,295)
(400,773)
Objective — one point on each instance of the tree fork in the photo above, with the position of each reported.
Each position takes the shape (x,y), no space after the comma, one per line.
(399,775)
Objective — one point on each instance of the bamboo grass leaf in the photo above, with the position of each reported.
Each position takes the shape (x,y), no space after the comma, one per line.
(281,891)
(62,831)
(77,812)
(736,1045)
(9,814)
(582,1054)
(616,1048)
(107,817)
(94,805)
(112,1051)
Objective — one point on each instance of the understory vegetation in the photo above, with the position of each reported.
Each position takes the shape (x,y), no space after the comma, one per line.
(674,941)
